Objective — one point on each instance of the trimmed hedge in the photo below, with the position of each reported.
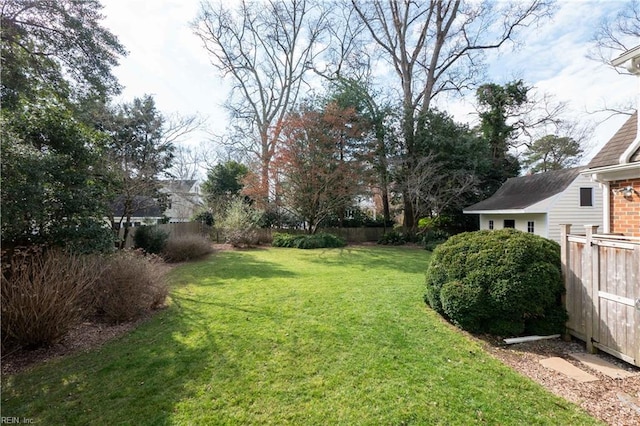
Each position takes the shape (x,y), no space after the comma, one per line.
(503,282)
(321,240)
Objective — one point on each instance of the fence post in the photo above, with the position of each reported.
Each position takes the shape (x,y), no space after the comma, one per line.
(565,258)
(590,277)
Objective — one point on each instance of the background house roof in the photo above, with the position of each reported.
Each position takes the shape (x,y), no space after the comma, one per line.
(142,207)
(179,186)
(524,191)
(610,154)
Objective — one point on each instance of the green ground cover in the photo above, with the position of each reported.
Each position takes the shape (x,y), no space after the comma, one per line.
(287,336)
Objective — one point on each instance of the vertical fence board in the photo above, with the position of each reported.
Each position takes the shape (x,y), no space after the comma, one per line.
(602,281)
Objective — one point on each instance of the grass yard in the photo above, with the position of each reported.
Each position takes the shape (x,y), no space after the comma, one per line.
(286,336)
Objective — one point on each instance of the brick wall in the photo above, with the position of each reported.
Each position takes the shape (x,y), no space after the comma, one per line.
(625,211)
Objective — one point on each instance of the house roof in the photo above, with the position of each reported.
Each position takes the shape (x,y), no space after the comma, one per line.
(524,191)
(610,154)
(179,186)
(142,207)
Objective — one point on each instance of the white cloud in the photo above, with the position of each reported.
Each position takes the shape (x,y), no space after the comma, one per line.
(167,60)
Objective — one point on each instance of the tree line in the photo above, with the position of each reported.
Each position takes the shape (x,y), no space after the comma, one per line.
(70,155)
(330,93)
(332,102)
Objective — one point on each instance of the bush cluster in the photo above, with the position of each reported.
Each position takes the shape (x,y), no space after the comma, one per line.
(46,292)
(130,285)
(187,247)
(151,239)
(305,241)
(393,238)
(503,282)
(240,224)
(433,238)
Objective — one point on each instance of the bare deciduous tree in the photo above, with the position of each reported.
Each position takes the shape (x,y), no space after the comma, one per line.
(436,46)
(617,35)
(612,38)
(433,188)
(187,163)
(266,49)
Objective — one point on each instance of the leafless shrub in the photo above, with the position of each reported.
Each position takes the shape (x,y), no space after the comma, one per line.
(239,224)
(130,285)
(186,247)
(44,294)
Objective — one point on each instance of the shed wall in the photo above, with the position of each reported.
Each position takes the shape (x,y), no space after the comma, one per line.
(567,209)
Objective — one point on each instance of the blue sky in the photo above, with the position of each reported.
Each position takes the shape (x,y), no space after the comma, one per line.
(167,60)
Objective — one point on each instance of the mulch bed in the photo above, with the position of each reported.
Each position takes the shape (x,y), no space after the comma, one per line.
(614,401)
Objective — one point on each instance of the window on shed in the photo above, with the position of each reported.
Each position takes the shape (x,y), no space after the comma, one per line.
(491,224)
(586,197)
(530,227)
(509,223)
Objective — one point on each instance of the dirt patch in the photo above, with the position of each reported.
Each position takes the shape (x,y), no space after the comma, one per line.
(85,337)
(614,401)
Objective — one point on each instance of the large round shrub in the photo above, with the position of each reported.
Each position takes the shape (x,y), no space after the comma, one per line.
(503,282)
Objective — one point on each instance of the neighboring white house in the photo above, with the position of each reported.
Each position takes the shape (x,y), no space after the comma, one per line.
(540,203)
(184,199)
(144,211)
(182,203)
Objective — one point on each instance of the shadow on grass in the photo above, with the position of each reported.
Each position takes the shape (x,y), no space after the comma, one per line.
(249,309)
(146,376)
(375,257)
(223,268)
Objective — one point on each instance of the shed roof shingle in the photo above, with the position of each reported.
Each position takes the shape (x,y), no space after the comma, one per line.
(524,191)
(610,154)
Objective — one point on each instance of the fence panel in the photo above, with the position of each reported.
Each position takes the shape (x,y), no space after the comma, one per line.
(173,229)
(602,280)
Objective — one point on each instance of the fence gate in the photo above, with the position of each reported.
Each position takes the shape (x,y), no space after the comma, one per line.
(602,278)
(616,317)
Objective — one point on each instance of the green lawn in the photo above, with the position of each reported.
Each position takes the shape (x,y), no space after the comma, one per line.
(277,336)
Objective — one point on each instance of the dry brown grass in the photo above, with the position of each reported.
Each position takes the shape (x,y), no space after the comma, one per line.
(130,285)
(187,247)
(44,294)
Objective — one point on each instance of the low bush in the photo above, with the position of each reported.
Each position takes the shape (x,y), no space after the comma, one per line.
(240,224)
(285,240)
(187,247)
(503,282)
(130,285)
(393,238)
(151,239)
(433,238)
(305,241)
(44,294)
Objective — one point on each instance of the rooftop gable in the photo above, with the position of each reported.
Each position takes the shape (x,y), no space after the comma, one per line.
(179,186)
(525,191)
(610,154)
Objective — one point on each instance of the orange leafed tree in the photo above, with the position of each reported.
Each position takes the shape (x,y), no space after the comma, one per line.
(318,164)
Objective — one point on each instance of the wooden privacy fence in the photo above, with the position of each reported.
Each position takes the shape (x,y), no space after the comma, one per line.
(173,229)
(351,235)
(602,281)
